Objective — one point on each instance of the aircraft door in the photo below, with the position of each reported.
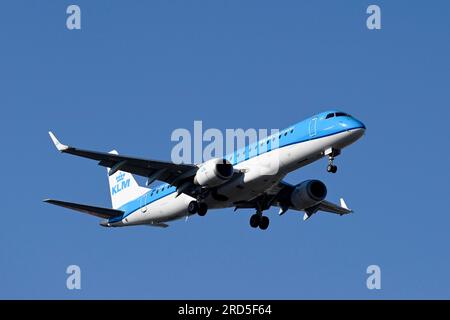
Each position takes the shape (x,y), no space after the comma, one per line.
(313,127)
(143,203)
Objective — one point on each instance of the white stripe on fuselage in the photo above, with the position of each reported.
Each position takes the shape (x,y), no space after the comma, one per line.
(261,173)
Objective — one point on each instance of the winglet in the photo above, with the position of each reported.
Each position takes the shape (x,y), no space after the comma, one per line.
(343,204)
(61,147)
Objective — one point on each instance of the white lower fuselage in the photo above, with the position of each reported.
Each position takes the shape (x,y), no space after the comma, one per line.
(260,174)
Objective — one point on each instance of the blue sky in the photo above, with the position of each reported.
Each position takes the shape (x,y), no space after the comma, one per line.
(138,70)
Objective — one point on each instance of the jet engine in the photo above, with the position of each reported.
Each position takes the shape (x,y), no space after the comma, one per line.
(213,173)
(308,194)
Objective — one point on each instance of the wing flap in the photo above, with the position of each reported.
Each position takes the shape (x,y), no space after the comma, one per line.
(100,212)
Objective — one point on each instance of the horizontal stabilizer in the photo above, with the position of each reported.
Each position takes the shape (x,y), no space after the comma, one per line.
(104,213)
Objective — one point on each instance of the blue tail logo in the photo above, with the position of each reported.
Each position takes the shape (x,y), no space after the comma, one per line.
(121,184)
(120,177)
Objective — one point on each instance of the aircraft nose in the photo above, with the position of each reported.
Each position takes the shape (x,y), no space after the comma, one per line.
(358,130)
(361,125)
(355,127)
(356,124)
(352,124)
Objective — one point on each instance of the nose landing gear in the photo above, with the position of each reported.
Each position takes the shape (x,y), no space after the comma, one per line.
(332,153)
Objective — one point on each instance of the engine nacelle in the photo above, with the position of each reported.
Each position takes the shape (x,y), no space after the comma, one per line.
(213,173)
(308,193)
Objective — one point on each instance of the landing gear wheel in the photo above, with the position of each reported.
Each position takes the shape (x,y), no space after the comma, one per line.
(254,220)
(202,209)
(264,223)
(331,168)
(193,207)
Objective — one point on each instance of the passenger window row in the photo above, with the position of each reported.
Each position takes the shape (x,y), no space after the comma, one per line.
(230,158)
(158,190)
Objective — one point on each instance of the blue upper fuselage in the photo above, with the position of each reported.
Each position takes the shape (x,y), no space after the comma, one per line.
(318,126)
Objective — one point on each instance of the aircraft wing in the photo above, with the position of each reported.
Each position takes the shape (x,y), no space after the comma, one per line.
(168,172)
(334,208)
(279,196)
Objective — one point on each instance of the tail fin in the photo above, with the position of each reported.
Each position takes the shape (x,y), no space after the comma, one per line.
(123,187)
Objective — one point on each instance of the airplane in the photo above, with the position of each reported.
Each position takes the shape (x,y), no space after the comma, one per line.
(242,179)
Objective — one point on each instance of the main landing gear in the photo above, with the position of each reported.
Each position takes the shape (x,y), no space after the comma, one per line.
(258,220)
(197,207)
(332,153)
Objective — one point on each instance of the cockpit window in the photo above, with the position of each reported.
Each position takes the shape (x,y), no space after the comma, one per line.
(342,114)
(330,115)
